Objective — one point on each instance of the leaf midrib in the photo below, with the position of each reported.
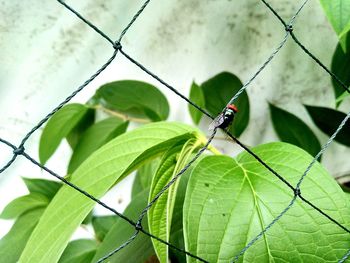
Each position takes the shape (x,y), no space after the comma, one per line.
(258,209)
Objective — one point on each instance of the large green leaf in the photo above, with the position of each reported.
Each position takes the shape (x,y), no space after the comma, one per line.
(341,68)
(338,14)
(144,175)
(135,98)
(196,96)
(290,128)
(97,135)
(230,201)
(160,214)
(328,120)
(79,251)
(102,225)
(23,204)
(108,165)
(47,188)
(217,93)
(13,243)
(140,249)
(58,127)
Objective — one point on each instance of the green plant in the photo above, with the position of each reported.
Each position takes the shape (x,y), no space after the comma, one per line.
(217,206)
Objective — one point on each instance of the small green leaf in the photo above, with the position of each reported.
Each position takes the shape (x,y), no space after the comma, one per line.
(47,188)
(160,214)
(88,219)
(342,97)
(135,98)
(86,121)
(97,174)
(140,249)
(338,14)
(79,251)
(58,127)
(230,201)
(13,243)
(290,128)
(23,204)
(341,68)
(328,120)
(97,135)
(144,175)
(197,96)
(218,91)
(102,224)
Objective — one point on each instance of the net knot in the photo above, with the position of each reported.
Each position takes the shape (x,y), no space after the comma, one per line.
(297,192)
(117,45)
(289,28)
(19,150)
(138,225)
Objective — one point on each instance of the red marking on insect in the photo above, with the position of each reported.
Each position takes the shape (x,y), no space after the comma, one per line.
(232,107)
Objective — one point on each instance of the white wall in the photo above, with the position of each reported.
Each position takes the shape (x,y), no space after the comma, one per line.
(46,53)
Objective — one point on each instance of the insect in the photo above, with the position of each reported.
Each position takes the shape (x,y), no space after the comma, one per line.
(225,118)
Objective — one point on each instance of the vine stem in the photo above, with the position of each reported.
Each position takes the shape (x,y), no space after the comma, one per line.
(119,115)
(202,140)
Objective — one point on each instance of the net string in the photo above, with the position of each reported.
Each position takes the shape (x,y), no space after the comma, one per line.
(265,165)
(20,150)
(117,46)
(308,52)
(288,29)
(214,131)
(166,187)
(297,193)
(98,201)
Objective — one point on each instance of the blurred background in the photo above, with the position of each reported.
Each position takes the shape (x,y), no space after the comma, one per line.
(47,52)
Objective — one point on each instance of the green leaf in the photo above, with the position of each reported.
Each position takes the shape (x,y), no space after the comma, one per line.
(160,214)
(103,169)
(102,224)
(197,96)
(176,233)
(328,120)
(97,135)
(338,14)
(230,201)
(47,188)
(13,243)
(140,249)
(86,121)
(341,68)
(342,97)
(79,251)
(23,204)
(218,91)
(135,98)
(290,128)
(144,175)
(58,127)
(88,219)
